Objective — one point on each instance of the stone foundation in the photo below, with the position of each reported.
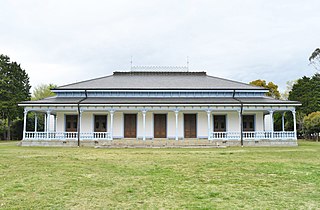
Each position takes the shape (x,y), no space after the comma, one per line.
(159,143)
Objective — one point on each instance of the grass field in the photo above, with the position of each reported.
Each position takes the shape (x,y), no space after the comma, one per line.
(230,178)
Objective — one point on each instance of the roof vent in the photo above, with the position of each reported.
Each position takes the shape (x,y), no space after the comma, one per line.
(159,69)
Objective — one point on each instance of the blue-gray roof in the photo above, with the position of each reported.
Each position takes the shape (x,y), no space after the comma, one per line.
(159,81)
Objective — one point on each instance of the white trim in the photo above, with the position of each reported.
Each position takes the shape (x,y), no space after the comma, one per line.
(126,105)
(162,90)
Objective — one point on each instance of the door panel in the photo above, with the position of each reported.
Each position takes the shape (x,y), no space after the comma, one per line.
(130,126)
(190,125)
(160,125)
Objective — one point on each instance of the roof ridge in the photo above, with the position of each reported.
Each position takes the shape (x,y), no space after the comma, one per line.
(199,73)
(159,68)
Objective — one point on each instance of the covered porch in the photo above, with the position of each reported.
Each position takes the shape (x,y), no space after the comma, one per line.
(211,124)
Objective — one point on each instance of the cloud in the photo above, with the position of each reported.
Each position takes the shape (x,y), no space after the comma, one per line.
(66,41)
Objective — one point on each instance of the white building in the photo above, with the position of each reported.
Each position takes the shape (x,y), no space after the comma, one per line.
(159,106)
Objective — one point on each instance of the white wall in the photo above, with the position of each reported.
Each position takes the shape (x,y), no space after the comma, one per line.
(117,125)
(87,122)
(171,130)
(202,125)
(259,121)
(267,122)
(60,122)
(233,123)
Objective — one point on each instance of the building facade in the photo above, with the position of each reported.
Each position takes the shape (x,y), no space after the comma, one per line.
(159,106)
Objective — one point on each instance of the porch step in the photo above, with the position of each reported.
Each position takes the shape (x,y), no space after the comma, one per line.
(124,143)
(159,143)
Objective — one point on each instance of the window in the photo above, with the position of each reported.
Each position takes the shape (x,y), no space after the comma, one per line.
(71,123)
(219,123)
(248,122)
(100,123)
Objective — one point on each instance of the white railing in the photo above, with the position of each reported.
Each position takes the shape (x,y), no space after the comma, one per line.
(230,135)
(67,135)
(284,135)
(225,135)
(254,135)
(257,135)
(96,135)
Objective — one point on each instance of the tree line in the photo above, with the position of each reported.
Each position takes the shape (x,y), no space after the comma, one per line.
(15,87)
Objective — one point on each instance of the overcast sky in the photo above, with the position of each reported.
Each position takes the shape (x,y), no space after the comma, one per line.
(66,41)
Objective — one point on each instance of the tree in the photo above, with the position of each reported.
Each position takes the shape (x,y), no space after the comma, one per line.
(314,59)
(14,88)
(311,124)
(43,91)
(273,88)
(274,93)
(285,94)
(307,91)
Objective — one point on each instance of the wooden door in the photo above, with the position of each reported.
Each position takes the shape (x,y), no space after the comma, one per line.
(100,123)
(160,125)
(190,125)
(130,126)
(71,123)
(219,123)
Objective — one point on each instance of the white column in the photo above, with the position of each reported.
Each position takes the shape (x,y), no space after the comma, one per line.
(271,123)
(80,122)
(25,114)
(35,122)
(209,124)
(48,123)
(294,123)
(111,124)
(144,124)
(282,120)
(240,121)
(177,115)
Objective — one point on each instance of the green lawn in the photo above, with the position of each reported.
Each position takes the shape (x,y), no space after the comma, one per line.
(230,178)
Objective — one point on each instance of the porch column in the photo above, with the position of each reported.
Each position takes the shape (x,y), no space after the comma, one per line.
(25,114)
(294,123)
(111,124)
(144,124)
(209,124)
(48,123)
(271,123)
(240,122)
(35,122)
(264,122)
(80,122)
(282,120)
(177,114)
